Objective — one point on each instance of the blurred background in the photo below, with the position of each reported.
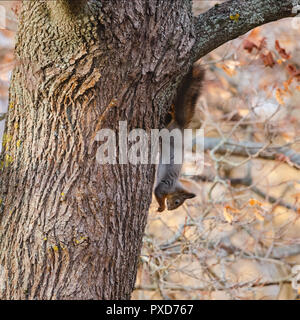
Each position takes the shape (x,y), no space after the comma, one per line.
(240,237)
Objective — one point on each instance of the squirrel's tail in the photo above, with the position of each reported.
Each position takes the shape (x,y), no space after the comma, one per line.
(188,92)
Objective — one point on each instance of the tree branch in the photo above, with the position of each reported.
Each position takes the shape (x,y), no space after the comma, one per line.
(247,149)
(234,18)
(248,284)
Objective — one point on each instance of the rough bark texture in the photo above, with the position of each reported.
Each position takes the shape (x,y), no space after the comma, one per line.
(71,228)
(232,19)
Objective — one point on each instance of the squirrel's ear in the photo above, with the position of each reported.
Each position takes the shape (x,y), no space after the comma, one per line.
(190,195)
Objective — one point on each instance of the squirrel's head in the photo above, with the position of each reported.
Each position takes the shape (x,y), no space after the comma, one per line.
(176,199)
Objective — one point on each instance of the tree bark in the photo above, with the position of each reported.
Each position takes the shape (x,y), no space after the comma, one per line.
(70,227)
(231,19)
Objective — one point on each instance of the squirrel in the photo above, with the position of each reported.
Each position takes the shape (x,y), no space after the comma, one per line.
(168,187)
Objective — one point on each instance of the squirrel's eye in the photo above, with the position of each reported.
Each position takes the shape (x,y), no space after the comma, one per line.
(177,202)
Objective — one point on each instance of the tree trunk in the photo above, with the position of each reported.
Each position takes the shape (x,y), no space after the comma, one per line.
(70,227)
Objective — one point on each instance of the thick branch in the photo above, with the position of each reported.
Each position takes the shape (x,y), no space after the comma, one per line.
(234,18)
(247,149)
(249,284)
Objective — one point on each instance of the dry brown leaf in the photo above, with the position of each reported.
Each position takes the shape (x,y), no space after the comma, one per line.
(255,32)
(287,84)
(249,45)
(281,51)
(254,202)
(258,215)
(293,71)
(228,217)
(229,71)
(268,59)
(279,96)
(262,44)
